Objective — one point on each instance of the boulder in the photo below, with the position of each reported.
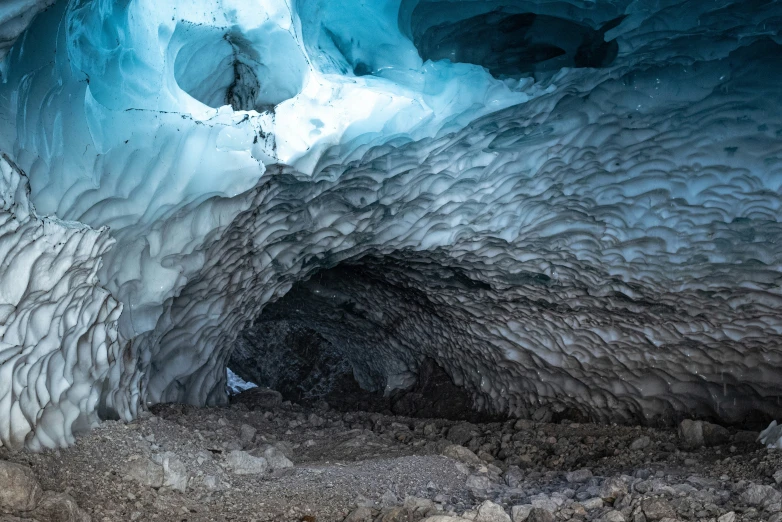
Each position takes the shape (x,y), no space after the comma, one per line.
(145,472)
(59,507)
(242,463)
(578,476)
(612,489)
(175,475)
(462,433)
(540,515)
(761,496)
(640,443)
(488,511)
(695,434)
(361,514)
(513,476)
(19,489)
(462,454)
(259,399)
(246,435)
(691,433)
(276,459)
(657,509)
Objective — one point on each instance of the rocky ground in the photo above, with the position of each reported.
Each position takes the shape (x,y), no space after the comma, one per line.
(261,460)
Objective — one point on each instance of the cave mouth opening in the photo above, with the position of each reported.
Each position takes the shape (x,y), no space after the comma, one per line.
(514,45)
(250,71)
(351,337)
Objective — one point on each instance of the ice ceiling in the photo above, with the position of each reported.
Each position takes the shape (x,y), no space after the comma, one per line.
(565,203)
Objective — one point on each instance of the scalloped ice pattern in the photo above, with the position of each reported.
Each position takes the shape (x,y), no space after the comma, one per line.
(619,224)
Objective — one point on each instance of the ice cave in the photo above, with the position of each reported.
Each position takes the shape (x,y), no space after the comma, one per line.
(514,215)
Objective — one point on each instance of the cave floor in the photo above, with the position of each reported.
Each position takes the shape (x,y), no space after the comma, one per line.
(346,461)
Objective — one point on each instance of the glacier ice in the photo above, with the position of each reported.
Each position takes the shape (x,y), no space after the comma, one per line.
(772,435)
(589,221)
(236,384)
(60,353)
(15,16)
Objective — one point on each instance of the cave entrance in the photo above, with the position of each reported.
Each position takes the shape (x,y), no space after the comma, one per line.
(352,337)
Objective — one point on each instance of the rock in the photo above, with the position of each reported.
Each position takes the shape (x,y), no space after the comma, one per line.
(540,515)
(175,475)
(613,516)
(462,454)
(445,518)
(691,433)
(778,477)
(579,476)
(746,437)
(19,489)
(59,507)
(315,421)
(759,495)
(521,513)
(640,443)
(488,511)
(657,509)
(543,501)
(259,399)
(612,489)
(242,463)
(389,499)
(715,435)
(592,503)
(211,483)
(462,433)
(513,477)
(730,516)
(361,514)
(276,459)
(461,468)
(695,434)
(396,514)
(247,434)
(145,472)
(419,507)
(479,485)
(543,414)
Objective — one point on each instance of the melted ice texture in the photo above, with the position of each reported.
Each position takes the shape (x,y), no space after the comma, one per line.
(622,222)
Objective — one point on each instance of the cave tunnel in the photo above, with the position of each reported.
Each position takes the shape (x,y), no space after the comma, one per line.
(400,260)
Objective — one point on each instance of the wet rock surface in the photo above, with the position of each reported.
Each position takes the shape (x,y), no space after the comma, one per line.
(263,460)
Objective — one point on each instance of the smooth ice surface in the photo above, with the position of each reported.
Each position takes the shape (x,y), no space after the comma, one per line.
(589,223)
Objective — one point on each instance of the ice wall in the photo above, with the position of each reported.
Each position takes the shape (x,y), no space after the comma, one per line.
(60,355)
(615,199)
(15,16)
